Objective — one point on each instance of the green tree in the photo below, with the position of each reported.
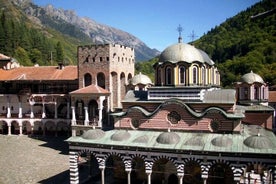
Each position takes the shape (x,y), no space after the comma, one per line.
(22,57)
(36,56)
(59,53)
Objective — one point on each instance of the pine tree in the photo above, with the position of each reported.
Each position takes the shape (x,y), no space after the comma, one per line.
(59,53)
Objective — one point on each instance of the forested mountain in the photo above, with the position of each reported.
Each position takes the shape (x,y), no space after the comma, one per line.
(34,35)
(32,43)
(83,28)
(243,43)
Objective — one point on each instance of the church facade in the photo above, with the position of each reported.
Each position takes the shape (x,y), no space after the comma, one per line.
(182,129)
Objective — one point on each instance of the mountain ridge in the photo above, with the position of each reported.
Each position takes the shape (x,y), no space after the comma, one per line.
(84,28)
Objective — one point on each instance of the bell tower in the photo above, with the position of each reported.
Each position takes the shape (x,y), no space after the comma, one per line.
(109,66)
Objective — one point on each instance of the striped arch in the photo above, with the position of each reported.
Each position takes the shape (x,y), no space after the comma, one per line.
(166,157)
(220,171)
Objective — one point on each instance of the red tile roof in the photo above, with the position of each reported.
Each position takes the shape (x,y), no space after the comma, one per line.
(92,89)
(272,96)
(39,73)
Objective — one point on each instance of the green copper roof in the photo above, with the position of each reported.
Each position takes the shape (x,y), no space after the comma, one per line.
(249,141)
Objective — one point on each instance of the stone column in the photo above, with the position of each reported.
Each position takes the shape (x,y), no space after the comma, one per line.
(101,161)
(180,177)
(102,98)
(8,110)
(20,129)
(19,110)
(148,168)
(43,110)
(128,170)
(32,112)
(148,172)
(68,110)
(204,173)
(74,171)
(86,120)
(9,129)
(56,110)
(73,116)
(73,122)
(102,168)
(238,171)
(128,166)
(180,171)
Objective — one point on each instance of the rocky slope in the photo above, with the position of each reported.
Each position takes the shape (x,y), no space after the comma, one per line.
(83,28)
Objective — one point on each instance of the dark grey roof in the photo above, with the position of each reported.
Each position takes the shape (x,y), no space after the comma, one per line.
(120,136)
(141,139)
(220,96)
(132,95)
(195,141)
(168,138)
(222,141)
(93,134)
(182,52)
(251,78)
(259,142)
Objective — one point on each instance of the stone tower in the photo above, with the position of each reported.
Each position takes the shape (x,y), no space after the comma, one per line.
(109,66)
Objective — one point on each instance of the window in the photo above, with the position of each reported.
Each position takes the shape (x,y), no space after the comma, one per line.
(203,77)
(256,93)
(158,76)
(87,80)
(195,75)
(168,76)
(101,59)
(173,117)
(182,74)
(246,95)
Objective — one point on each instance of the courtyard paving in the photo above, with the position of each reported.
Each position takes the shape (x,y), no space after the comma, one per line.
(30,160)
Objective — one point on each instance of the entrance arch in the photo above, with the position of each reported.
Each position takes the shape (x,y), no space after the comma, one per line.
(115,170)
(79,109)
(162,169)
(38,128)
(88,168)
(93,111)
(192,173)
(50,128)
(4,127)
(26,128)
(138,174)
(15,128)
(220,173)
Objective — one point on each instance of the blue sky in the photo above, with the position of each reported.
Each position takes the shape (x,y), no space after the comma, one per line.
(155,22)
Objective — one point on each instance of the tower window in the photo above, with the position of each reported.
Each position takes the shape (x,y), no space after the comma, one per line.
(195,75)
(168,76)
(182,75)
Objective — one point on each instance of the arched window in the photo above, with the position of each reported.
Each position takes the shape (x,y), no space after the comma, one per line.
(101,80)
(182,74)
(203,77)
(256,92)
(195,75)
(87,80)
(158,77)
(168,76)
